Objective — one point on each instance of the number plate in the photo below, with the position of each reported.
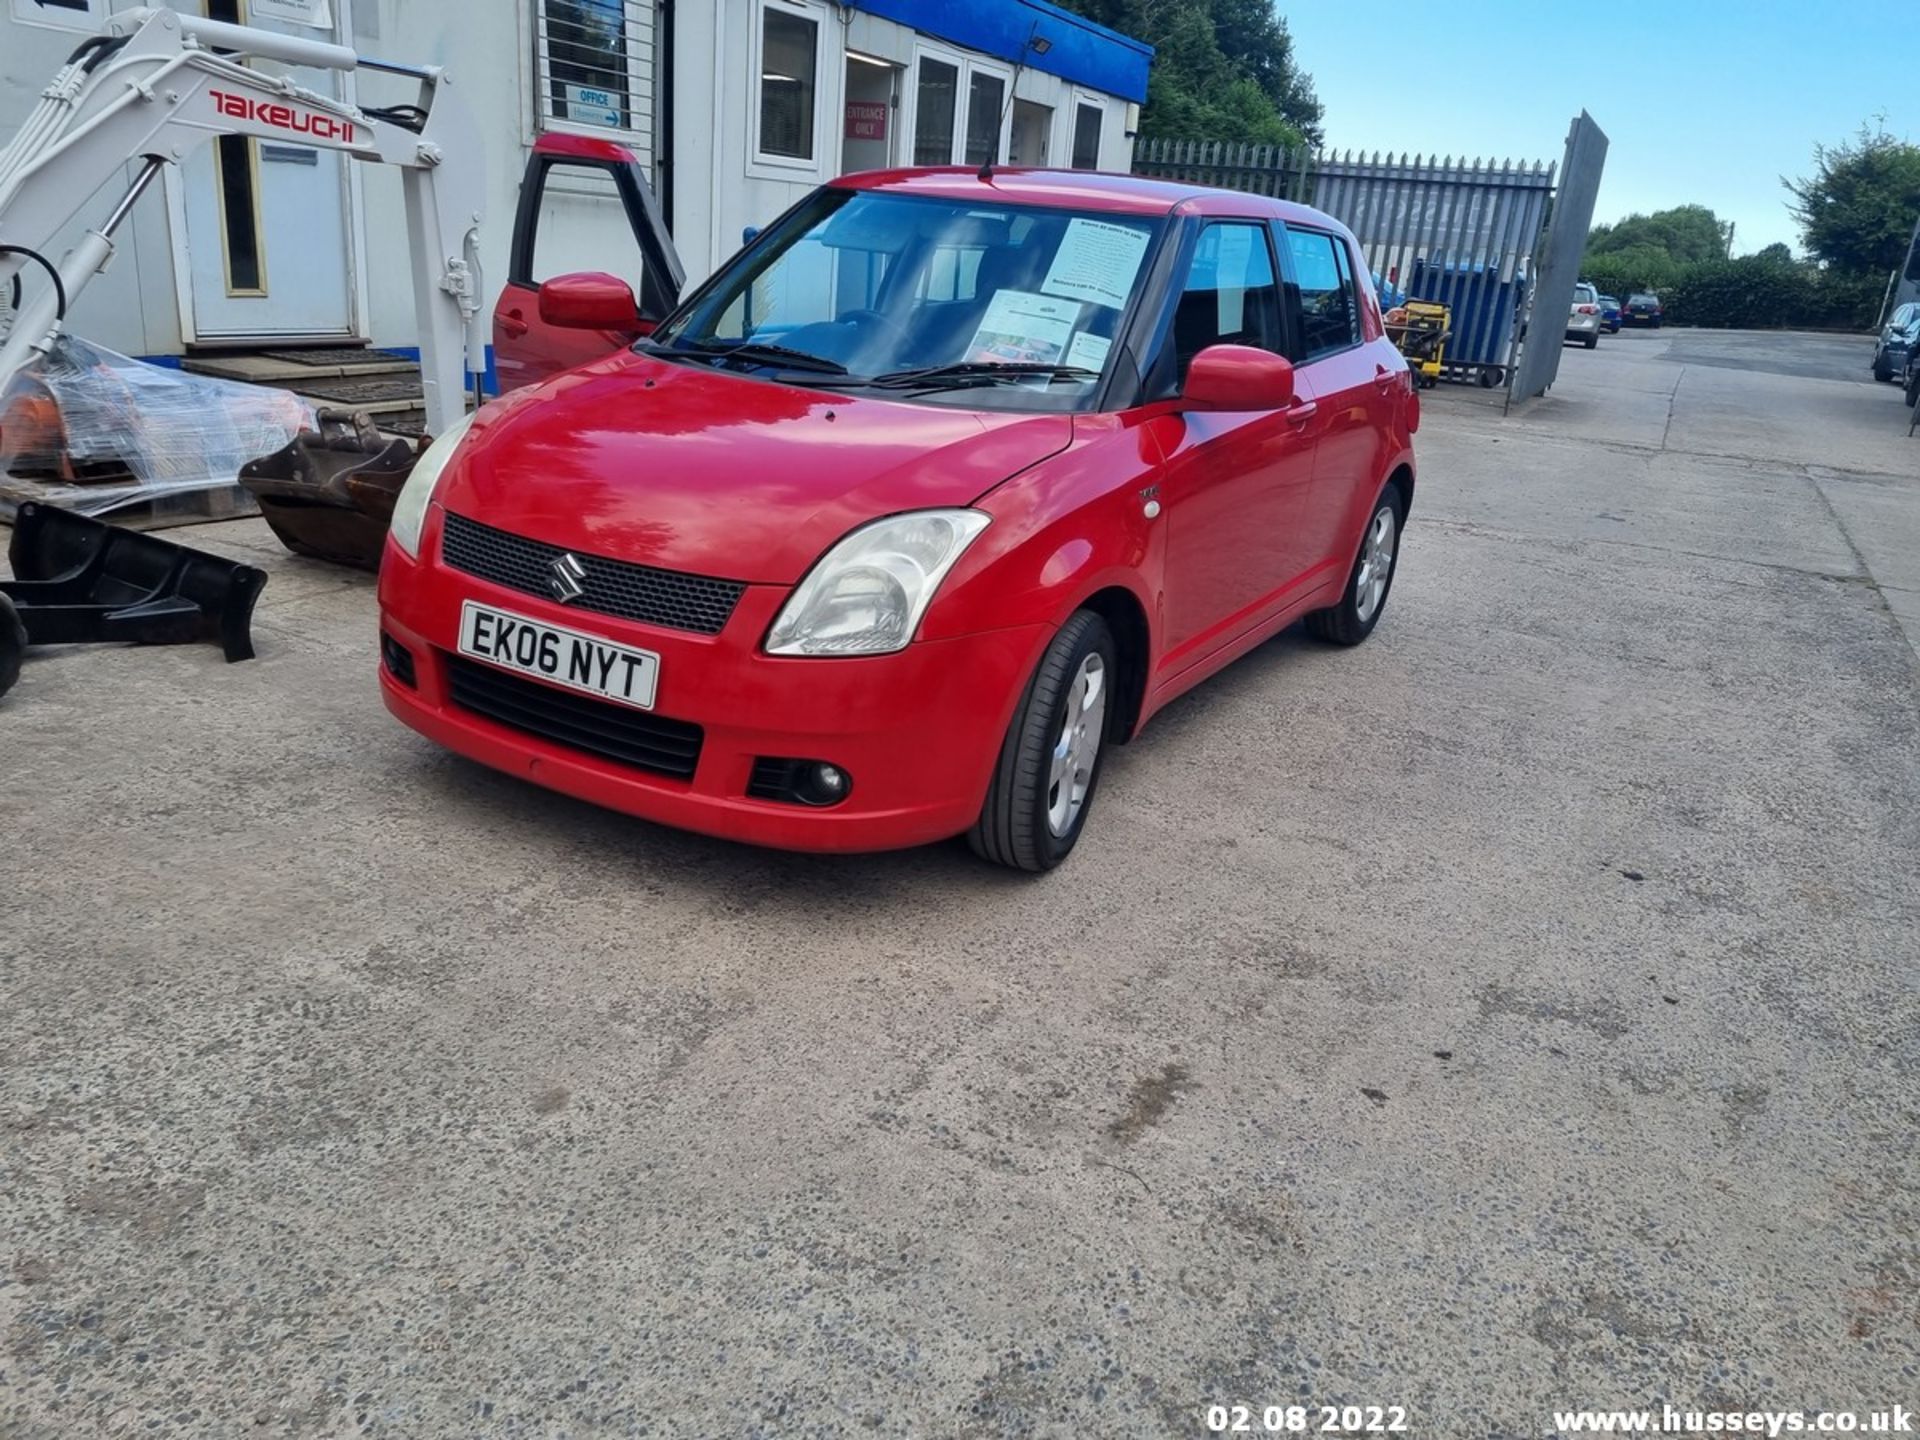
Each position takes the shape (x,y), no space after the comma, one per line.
(560,656)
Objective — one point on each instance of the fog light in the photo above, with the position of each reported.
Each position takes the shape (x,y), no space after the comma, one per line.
(798,782)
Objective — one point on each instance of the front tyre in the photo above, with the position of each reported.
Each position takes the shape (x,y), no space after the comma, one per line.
(1353,619)
(1043,784)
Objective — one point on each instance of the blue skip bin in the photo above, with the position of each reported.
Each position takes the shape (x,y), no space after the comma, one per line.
(1484,306)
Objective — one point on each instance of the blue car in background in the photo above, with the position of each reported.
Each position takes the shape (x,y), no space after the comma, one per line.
(1610,314)
(1898,339)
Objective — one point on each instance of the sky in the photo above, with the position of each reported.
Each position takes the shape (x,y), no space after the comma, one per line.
(1703,101)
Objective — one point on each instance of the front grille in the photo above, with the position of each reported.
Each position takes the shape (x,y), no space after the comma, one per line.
(580,722)
(612,587)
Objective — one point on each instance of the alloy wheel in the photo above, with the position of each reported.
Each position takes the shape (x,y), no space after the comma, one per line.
(1076,751)
(1376,563)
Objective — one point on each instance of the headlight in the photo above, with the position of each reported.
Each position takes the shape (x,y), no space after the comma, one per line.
(410,509)
(867,594)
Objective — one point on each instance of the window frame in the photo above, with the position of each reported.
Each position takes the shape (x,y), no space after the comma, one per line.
(1160,379)
(761,164)
(1002,122)
(966,65)
(1296,325)
(1084,100)
(643,142)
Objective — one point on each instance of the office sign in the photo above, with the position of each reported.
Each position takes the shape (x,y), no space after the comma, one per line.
(590,105)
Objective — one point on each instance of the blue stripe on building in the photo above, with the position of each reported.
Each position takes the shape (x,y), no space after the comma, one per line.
(1077,48)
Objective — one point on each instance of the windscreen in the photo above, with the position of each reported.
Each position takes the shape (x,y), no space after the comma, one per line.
(878,286)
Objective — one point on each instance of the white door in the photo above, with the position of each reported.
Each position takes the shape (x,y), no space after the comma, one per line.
(268,241)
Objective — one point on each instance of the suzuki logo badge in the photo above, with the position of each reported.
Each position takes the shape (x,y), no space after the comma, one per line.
(567,579)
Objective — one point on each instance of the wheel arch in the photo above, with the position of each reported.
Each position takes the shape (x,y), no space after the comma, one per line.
(1401,479)
(1127,619)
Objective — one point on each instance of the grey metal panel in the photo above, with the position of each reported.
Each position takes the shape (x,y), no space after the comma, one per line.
(1482,216)
(1558,267)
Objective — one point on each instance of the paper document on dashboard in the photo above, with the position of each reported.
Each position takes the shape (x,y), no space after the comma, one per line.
(1024,328)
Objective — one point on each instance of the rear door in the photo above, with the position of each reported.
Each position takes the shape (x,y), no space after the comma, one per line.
(1357,381)
(584,205)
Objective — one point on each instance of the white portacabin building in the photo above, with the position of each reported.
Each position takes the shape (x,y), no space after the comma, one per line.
(736,108)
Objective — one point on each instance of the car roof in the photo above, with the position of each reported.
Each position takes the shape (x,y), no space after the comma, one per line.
(1083,190)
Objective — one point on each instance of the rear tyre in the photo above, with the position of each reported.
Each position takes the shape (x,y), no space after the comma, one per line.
(1042,789)
(13,644)
(1592,342)
(1359,610)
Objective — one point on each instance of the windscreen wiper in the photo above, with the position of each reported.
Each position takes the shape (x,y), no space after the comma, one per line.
(979,372)
(752,350)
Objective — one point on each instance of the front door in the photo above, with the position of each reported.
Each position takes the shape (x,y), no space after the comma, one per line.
(584,205)
(1027,140)
(269,247)
(872,103)
(1236,485)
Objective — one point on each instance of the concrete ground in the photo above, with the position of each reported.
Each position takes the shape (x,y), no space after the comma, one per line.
(1515,1013)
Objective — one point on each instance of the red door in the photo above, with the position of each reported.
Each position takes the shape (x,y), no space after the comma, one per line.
(526,350)
(584,205)
(1358,381)
(1235,486)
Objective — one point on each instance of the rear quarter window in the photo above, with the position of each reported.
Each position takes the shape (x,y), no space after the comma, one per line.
(1328,306)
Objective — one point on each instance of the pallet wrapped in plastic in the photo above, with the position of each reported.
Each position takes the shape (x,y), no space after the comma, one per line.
(100,430)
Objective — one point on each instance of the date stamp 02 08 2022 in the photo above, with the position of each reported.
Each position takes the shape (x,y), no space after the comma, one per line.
(1307,1419)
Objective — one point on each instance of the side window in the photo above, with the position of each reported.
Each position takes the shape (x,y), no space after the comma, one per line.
(1230,297)
(1086,137)
(938,91)
(1329,310)
(789,60)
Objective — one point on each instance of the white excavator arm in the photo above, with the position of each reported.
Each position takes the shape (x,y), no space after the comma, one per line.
(153,85)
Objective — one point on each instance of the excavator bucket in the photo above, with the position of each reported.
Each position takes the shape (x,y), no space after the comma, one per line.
(78,580)
(330,493)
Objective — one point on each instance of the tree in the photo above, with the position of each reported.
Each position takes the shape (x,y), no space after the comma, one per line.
(1222,69)
(1775,254)
(1857,209)
(1683,235)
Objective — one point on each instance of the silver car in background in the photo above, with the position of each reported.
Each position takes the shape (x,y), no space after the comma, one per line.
(1583,320)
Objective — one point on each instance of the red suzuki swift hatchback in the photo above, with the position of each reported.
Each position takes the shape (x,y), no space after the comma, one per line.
(938,488)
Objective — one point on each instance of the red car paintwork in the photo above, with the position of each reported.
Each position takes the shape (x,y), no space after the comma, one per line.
(527,348)
(1259,518)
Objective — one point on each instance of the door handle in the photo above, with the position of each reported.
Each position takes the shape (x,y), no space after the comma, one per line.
(512,325)
(1303,412)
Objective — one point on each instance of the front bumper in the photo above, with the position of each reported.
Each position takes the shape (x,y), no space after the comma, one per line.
(918,731)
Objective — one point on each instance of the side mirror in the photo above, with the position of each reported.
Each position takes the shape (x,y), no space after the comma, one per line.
(589,300)
(1238,377)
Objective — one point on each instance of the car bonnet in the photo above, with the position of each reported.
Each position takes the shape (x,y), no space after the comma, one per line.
(685,468)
